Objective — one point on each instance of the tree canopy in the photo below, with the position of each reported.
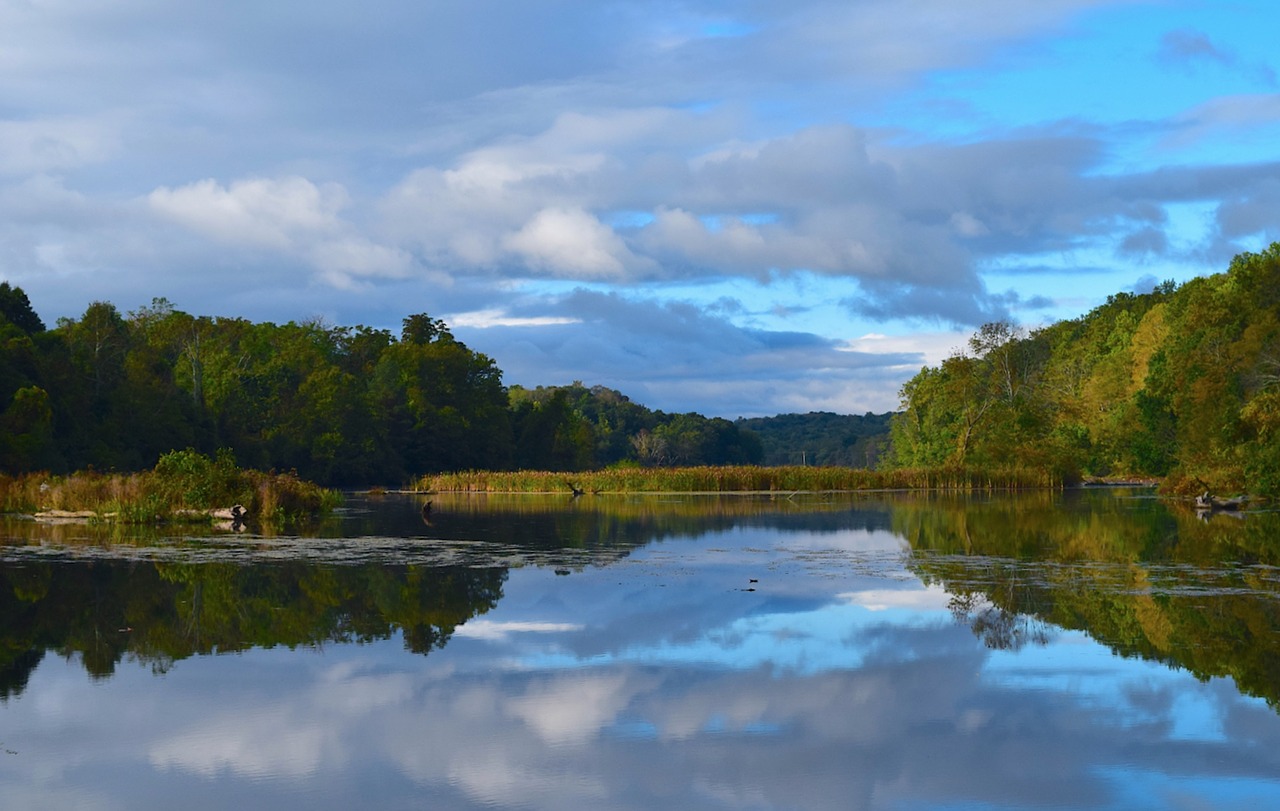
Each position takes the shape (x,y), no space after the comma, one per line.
(338,405)
(1181,382)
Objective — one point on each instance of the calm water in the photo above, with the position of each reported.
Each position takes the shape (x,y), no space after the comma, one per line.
(1087,650)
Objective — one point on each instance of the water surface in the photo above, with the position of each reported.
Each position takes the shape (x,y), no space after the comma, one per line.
(1079,650)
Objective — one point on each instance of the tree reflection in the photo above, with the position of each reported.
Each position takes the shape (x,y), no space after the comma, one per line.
(998,628)
(159,613)
(1144,577)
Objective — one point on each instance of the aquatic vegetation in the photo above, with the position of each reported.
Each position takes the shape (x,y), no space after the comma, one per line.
(184,486)
(741,478)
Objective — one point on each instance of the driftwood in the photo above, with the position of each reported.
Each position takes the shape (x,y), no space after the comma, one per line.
(235,514)
(1208,501)
(69,516)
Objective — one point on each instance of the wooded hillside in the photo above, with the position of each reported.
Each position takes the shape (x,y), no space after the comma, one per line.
(821,438)
(1181,382)
(339,405)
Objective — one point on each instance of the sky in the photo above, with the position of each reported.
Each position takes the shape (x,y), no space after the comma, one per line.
(736,208)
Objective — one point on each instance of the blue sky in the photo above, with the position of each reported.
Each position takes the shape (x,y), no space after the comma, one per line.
(739,208)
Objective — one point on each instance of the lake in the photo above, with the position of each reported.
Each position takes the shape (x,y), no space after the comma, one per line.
(1091,649)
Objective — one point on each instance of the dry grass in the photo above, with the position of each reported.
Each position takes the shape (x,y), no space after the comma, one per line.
(743,478)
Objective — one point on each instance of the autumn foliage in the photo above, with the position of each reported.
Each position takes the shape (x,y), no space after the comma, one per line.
(1181,383)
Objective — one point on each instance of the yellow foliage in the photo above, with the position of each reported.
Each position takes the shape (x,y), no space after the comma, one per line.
(1150,336)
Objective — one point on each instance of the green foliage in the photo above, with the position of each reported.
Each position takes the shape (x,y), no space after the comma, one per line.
(1177,382)
(565,428)
(26,431)
(191,479)
(335,405)
(15,308)
(184,485)
(1115,568)
(177,610)
(820,438)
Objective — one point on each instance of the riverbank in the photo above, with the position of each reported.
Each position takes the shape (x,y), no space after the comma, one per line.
(184,487)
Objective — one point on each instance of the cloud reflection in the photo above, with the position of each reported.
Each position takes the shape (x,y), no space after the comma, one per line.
(919,716)
(660,681)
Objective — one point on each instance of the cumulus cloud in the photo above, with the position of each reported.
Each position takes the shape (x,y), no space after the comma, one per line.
(483,159)
(288,215)
(257,212)
(570,243)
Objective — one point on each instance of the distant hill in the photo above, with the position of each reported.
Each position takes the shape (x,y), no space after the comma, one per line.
(820,438)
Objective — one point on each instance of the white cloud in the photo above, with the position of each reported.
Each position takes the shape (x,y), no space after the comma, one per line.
(570,243)
(930,348)
(495,317)
(929,598)
(344,258)
(264,745)
(259,212)
(444,157)
(574,710)
(288,215)
(495,631)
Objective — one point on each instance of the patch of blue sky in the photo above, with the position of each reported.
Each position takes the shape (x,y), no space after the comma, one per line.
(1189,225)
(799,300)
(719,724)
(805,643)
(785,301)
(721,29)
(716,222)
(1207,140)
(1078,280)
(627,219)
(1137,788)
(1106,71)
(1074,664)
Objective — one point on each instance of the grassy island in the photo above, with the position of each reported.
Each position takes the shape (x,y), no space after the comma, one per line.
(184,487)
(739,478)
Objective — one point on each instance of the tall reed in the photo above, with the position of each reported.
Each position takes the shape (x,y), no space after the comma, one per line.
(741,478)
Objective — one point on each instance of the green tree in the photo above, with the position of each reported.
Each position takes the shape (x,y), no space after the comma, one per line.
(15,308)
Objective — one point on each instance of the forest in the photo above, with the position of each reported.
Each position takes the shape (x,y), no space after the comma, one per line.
(821,438)
(1182,383)
(338,405)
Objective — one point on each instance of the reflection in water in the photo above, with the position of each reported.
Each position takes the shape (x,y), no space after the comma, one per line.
(739,653)
(1145,580)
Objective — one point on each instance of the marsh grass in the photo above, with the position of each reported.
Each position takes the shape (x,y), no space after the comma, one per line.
(183,486)
(740,479)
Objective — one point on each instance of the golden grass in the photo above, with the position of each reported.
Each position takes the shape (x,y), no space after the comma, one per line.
(738,479)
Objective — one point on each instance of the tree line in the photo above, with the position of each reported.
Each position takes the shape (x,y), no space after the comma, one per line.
(821,438)
(338,405)
(1182,382)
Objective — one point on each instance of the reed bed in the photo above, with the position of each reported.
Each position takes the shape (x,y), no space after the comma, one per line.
(184,486)
(739,479)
